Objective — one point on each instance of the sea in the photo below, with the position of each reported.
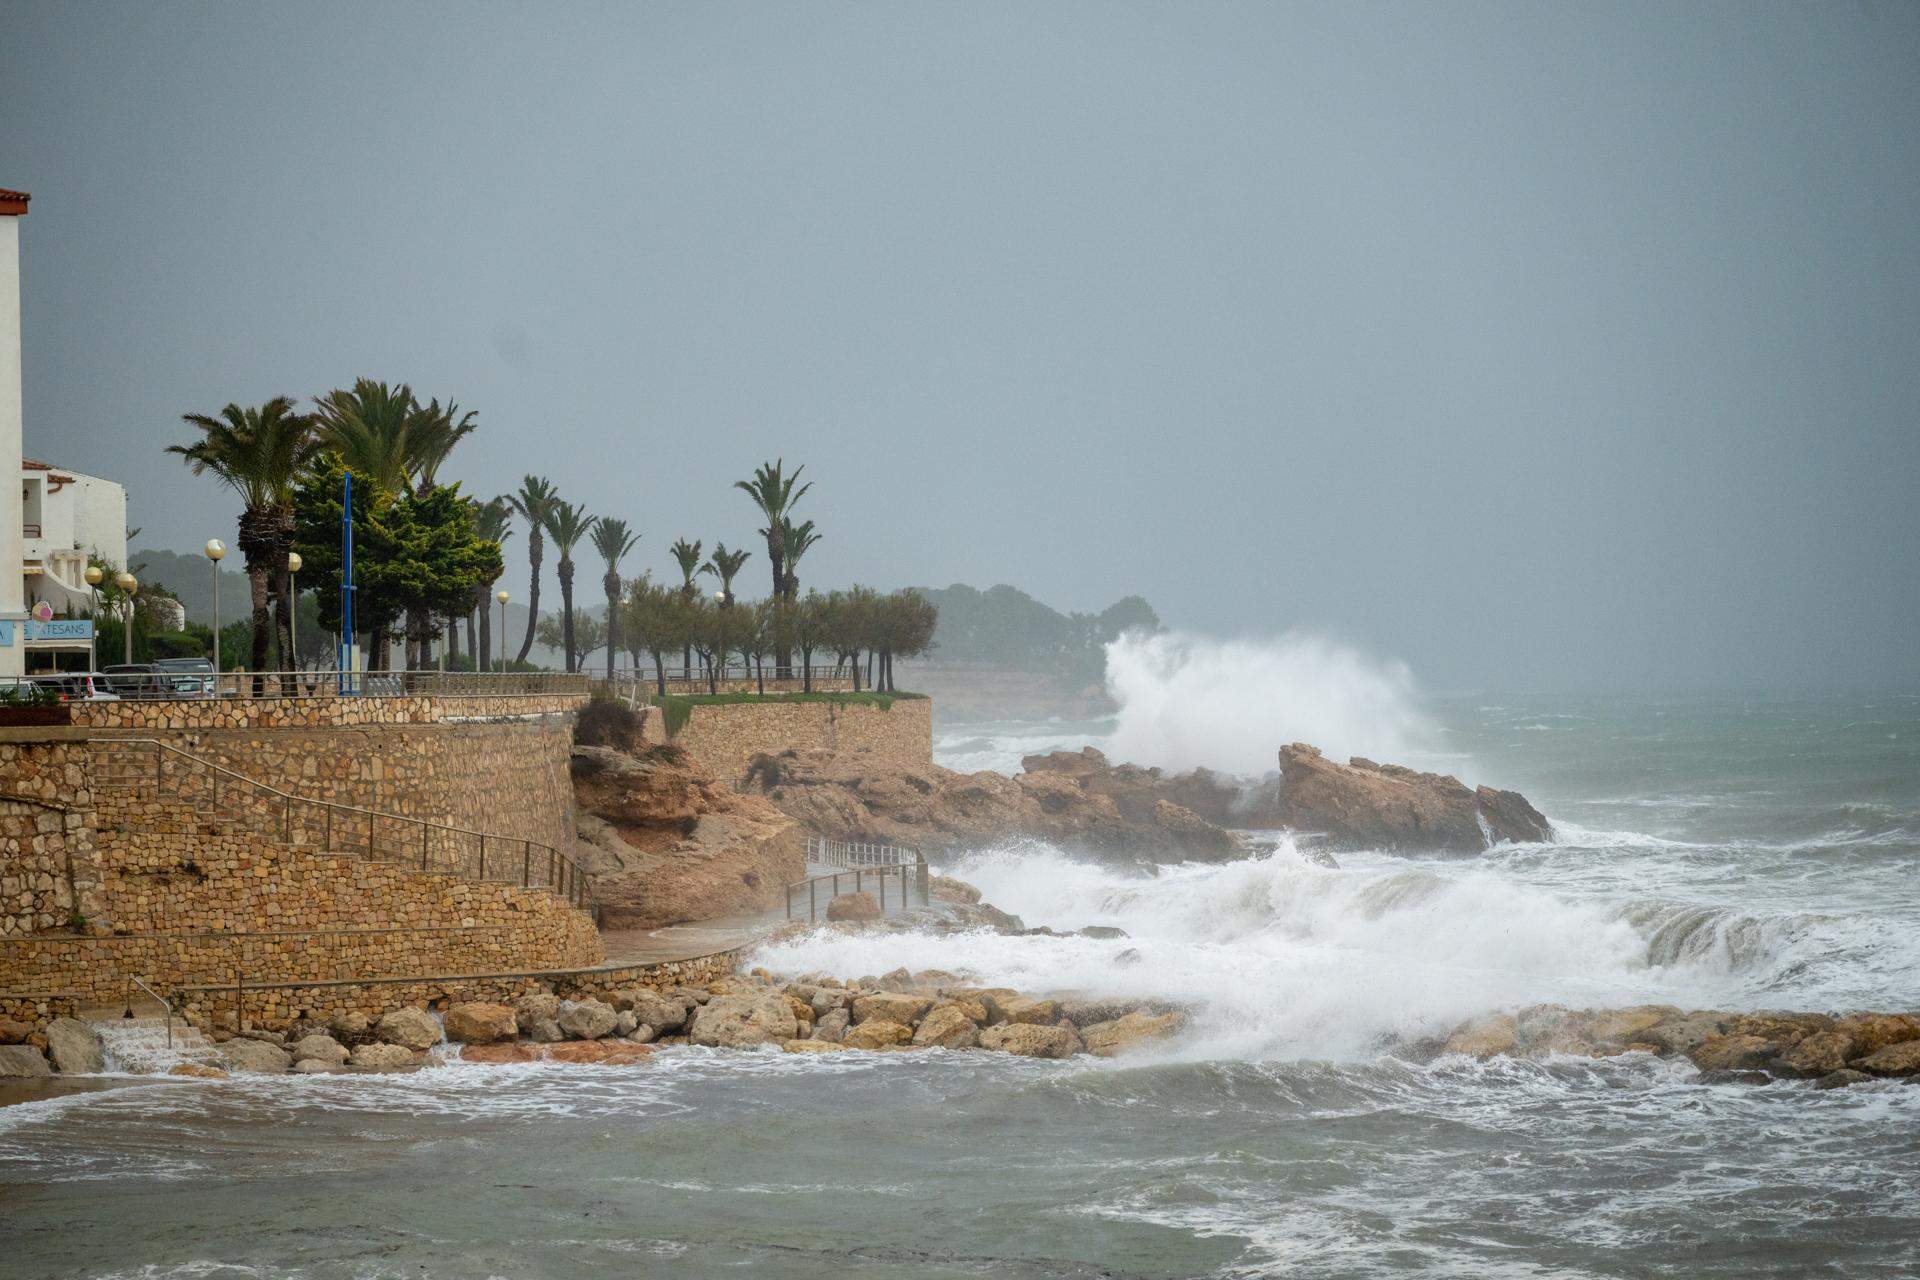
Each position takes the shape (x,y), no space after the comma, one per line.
(1724,851)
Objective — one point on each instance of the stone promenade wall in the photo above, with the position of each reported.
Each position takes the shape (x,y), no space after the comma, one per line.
(316,713)
(48,869)
(275,1006)
(195,907)
(726,736)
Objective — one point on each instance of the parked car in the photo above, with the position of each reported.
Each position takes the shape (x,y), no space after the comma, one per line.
(190,677)
(138,680)
(79,686)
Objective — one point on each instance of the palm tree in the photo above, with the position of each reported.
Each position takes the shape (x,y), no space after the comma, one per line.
(566,525)
(775,494)
(798,538)
(431,434)
(534,503)
(612,541)
(368,427)
(258,453)
(492,520)
(725,565)
(687,556)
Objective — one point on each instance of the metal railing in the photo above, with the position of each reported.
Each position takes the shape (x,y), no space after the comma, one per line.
(163,1002)
(769,677)
(853,853)
(330,683)
(914,877)
(327,826)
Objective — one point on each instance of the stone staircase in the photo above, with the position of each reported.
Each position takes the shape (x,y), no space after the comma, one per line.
(145,1044)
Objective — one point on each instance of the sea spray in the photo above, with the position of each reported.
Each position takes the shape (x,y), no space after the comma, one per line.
(1229,705)
(1284,958)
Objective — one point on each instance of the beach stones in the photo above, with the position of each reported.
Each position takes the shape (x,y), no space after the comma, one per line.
(1820,1054)
(383,1057)
(476,1022)
(75,1047)
(319,1048)
(742,1021)
(892,1006)
(1032,1040)
(23,1062)
(877,1033)
(587,1019)
(853,906)
(1027,1009)
(1895,1060)
(661,1012)
(255,1057)
(536,1007)
(409,1029)
(946,1026)
(1133,1031)
(1733,1053)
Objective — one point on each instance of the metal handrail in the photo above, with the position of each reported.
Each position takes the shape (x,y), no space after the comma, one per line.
(565,878)
(164,1004)
(331,682)
(854,853)
(909,873)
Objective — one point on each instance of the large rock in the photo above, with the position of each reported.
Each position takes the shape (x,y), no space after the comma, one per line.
(667,842)
(536,1006)
(665,1014)
(12,1032)
(23,1061)
(257,1056)
(1820,1054)
(1485,1037)
(1364,805)
(892,1006)
(1734,1053)
(743,1021)
(1093,809)
(384,1057)
(880,1033)
(854,906)
(1133,1031)
(75,1047)
(1873,1032)
(946,1026)
(319,1048)
(409,1028)
(1901,1059)
(1029,1009)
(478,1022)
(587,1019)
(1032,1040)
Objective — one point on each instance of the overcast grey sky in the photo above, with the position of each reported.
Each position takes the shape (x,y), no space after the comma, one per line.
(1535,344)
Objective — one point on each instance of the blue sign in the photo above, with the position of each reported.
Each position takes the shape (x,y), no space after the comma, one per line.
(56,629)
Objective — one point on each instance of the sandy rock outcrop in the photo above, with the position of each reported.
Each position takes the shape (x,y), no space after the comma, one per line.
(1363,805)
(857,796)
(665,841)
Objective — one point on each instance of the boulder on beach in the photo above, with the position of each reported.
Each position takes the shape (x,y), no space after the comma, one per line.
(947,1026)
(409,1028)
(243,1054)
(23,1061)
(384,1057)
(587,1019)
(743,1021)
(318,1048)
(75,1047)
(854,906)
(879,1033)
(480,1022)
(1032,1040)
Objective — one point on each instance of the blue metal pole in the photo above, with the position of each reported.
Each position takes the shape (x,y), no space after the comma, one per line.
(346,578)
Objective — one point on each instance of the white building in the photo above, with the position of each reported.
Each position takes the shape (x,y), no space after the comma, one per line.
(62,517)
(13,613)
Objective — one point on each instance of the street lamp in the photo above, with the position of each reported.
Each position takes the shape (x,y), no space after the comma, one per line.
(501,596)
(93,575)
(293,606)
(216,551)
(131,585)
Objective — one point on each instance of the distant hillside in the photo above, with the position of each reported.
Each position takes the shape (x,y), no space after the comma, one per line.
(1003,626)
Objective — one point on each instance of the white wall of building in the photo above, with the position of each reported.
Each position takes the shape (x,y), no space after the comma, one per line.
(12,594)
(78,515)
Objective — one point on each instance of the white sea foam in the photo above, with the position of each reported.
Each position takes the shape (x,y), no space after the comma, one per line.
(1290,959)
(1188,701)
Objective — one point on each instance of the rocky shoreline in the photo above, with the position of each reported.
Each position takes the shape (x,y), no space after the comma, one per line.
(936,1009)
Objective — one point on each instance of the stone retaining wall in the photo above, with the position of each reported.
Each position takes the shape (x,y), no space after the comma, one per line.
(47,861)
(316,713)
(274,1007)
(726,736)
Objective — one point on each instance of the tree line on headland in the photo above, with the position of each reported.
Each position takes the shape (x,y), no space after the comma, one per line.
(427,556)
